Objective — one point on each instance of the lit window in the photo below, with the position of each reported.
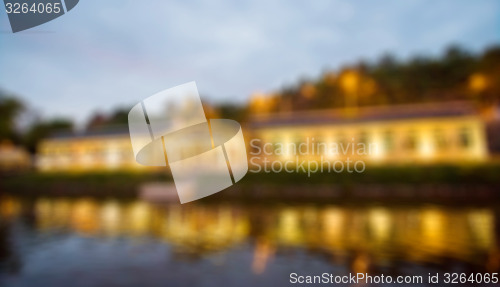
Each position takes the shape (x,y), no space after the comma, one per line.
(297,140)
(388,141)
(440,139)
(320,145)
(411,141)
(363,137)
(341,139)
(276,144)
(465,139)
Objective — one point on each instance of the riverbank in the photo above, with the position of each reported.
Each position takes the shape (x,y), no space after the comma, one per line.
(96,184)
(396,183)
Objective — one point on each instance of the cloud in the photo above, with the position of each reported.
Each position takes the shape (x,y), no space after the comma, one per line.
(109,53)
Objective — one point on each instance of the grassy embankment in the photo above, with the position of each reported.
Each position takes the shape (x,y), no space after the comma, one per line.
(462,182)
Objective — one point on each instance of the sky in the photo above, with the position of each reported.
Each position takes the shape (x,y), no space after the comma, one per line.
(106,54)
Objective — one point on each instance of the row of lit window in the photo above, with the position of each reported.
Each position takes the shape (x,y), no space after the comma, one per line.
(408,141)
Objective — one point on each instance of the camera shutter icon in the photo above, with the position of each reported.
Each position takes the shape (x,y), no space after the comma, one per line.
(170,128)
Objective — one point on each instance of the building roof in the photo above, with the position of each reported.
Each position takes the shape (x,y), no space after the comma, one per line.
(115,130)
(365,114)
(331,116)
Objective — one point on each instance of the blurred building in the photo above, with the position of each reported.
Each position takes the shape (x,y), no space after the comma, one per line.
(13,157)
(94,150)
(108,149)
(448,132)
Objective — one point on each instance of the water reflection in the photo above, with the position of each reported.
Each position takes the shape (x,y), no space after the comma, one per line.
(359,238)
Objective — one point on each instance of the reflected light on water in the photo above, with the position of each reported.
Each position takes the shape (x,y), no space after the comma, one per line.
(111,218)
(264,250)
(83,216)
(9,207)
(356,237)
(380,223)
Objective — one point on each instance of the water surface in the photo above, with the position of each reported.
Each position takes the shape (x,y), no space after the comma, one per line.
(89,242)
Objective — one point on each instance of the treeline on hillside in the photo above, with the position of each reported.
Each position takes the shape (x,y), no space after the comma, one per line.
(14,113)
(19,125)
(454,75)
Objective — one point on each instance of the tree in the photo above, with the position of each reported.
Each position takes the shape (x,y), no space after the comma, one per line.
(10,109)
(44,129)
(117,117)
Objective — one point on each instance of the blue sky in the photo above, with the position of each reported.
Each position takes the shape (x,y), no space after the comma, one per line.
(105,54)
